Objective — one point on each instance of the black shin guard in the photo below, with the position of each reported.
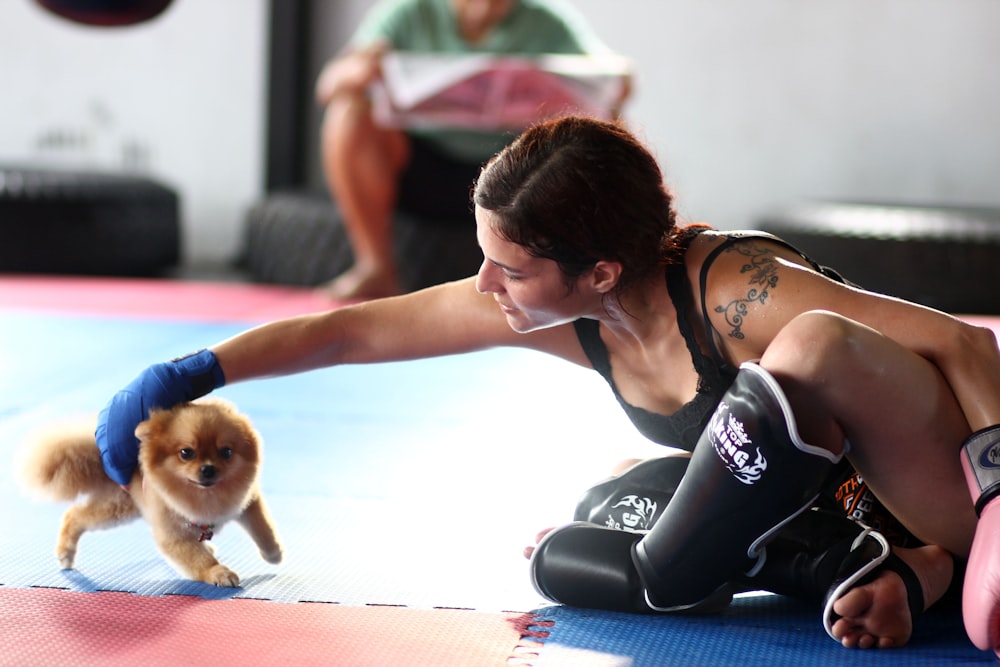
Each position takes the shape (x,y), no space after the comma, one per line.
(589,563)
(634,499)
(584,565)
(771,476)
(811,555)
(819,556)
(750,474)
(816,557)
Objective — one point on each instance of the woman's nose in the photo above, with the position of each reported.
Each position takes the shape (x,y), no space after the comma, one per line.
(485,280)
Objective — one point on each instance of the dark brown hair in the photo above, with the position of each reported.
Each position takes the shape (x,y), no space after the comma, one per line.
(578,190)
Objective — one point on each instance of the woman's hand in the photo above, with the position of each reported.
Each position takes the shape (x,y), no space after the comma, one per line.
(159,386)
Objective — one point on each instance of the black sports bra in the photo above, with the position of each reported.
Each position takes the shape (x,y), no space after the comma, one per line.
(682,428)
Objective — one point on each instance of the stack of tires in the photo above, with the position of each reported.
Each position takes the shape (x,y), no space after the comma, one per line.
(939,256)
(67,222)
(298,238)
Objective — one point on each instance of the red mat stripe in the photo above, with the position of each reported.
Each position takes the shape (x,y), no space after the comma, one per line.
(159,299)
(55,627)
(187,300)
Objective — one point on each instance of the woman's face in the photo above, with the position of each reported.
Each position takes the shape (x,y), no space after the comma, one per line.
(530,291)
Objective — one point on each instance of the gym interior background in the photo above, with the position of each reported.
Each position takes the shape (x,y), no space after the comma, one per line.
(751,107)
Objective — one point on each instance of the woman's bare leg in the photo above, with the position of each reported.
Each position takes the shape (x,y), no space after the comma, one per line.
(904,426)
(362,163)
(905,429)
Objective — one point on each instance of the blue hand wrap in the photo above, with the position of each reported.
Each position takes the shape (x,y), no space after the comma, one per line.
(159,386)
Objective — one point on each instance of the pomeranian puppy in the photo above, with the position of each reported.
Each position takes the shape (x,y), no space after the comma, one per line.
(199,465)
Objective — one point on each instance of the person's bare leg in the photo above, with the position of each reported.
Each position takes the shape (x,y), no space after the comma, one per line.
(848,382)
(362,163)
(877,615)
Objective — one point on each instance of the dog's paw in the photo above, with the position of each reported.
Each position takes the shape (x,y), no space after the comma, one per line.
(66,557)
(273,555)
(220,575)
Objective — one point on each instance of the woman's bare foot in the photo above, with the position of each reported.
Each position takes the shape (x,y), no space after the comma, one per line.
(363,282)
(877,614)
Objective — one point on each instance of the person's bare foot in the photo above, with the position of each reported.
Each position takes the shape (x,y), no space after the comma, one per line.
(877,614)
(530,549)
(362,282)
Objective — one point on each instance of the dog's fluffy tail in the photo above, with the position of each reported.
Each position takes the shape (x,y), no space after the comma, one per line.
(63,463)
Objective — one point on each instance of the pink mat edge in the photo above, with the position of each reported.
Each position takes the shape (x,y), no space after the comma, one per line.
(526,631)
(159,298)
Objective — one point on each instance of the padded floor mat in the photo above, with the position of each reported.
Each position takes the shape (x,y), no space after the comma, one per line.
(403,494)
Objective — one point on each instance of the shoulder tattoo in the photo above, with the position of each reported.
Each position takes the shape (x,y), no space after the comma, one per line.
(762,269)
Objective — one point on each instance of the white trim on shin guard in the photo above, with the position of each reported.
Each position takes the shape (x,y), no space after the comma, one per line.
(756,549)
(749,475)
(860,562)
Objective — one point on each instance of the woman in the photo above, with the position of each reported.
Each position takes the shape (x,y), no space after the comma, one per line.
(578,232)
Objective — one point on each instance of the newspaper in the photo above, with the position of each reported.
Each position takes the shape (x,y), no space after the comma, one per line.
(495,92)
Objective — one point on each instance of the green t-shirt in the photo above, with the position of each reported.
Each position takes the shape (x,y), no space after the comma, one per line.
(532,27)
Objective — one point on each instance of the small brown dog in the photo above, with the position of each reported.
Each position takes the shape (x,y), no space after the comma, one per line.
(199,465)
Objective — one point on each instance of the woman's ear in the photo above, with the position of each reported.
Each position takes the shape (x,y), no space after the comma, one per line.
(604,276)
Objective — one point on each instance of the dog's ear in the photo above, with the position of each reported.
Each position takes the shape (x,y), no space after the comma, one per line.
(144,430)
(154,425)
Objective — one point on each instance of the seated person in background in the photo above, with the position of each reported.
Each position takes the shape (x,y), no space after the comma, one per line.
(371,170)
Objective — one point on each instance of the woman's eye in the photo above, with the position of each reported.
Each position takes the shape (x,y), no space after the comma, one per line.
(187,454)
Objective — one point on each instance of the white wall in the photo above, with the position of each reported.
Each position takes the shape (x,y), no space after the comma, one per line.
(180,99)
(751,104)
(747,103)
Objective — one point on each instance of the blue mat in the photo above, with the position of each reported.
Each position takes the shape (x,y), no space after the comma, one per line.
(412,484)
(756,631)
(395,484)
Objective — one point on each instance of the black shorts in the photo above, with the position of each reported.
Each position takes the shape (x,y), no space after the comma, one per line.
(847,493)
(437,187)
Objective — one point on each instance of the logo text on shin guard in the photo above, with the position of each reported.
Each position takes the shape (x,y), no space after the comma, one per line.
(735,447)
(635,513)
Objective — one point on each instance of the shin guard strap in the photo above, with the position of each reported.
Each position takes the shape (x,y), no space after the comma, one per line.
(868,551)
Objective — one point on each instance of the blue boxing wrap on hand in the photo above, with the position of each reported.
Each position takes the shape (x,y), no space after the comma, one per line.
(162,386)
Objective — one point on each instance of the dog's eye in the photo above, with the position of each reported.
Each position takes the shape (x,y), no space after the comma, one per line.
(187,454)
(226,453)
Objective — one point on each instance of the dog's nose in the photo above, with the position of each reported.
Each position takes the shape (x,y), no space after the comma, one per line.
(208,471)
